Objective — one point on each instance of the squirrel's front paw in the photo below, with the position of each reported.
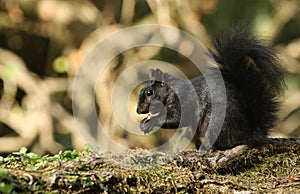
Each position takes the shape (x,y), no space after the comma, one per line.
(147,124)
(156,112)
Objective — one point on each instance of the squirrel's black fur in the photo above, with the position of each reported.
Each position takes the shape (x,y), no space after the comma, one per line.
(253,80)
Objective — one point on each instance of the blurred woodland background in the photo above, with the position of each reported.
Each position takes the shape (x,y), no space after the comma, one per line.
(42,43)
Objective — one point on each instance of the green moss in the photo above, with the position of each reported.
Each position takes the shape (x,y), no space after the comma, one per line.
(153,172)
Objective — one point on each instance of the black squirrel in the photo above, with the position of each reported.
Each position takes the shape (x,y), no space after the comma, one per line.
(253,80)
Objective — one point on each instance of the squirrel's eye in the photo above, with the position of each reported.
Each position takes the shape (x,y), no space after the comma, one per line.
(149,92)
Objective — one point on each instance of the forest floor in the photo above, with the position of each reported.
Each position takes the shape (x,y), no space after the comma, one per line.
(267,168)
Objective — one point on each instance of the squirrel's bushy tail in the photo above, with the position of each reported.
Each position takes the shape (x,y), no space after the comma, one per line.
(254,69)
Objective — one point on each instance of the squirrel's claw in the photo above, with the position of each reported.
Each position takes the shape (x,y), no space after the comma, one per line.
(146,125)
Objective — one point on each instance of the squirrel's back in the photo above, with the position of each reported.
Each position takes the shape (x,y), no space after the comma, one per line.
(253,68)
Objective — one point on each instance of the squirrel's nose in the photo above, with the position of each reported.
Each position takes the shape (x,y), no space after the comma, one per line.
(138,110)
(141,110)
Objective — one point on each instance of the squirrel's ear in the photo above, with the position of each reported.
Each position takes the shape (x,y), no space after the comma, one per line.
(151,74)
(159,76)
